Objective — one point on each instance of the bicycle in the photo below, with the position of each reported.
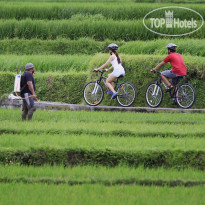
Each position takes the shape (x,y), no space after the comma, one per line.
(93,93)
(182,94)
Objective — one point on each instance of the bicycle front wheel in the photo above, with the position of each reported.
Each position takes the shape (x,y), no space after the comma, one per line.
(185,96)
(93,93)
(126,94)
(154,95)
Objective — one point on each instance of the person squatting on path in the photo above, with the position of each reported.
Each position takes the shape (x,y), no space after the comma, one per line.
(178,66)
(115,60)
(28,92)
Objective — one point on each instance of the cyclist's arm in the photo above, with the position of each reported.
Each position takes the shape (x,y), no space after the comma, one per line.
(110,68)
(106,64)
(159,66)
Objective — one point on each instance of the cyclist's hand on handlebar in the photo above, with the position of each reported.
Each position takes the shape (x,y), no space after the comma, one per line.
(106,70)
(35,97)
(152,70)
(95,70)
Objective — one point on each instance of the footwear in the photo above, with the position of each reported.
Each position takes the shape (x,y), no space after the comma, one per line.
(109,92)
(114,95)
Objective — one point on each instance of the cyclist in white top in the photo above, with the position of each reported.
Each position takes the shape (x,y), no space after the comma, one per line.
(115,60)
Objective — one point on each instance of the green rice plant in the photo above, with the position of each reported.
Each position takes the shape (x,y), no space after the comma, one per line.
(44,194)
(46,63)
(112,129)
(62,10)
(194,47)
(25,142)
(61,46)
(100,175)
(100,30)
(179,119)
(70,142)
(70,150)
(110,1)
(82,17)
(88,46)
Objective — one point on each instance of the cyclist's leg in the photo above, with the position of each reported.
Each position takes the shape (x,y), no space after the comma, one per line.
(112,83)
(167,74)
(109,82)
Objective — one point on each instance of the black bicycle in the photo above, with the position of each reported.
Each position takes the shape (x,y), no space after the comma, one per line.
(182,94)
(93,92)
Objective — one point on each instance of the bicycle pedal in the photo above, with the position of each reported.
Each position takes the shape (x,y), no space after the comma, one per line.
(115,97)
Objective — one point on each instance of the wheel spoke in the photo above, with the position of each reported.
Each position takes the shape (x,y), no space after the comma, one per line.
(126,94)
(154,99)
(93,93)
(185,96)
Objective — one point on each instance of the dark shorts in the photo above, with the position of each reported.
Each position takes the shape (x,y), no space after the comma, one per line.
(28,103)
(170,74)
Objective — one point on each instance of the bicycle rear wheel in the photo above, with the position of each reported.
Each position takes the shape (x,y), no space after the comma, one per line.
(93,93)
(154,95)
(126,94)
(185,96)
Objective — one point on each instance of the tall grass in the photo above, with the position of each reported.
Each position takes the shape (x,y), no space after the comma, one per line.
(108,117)
(86,174)
(110,1)
(99,30)
(194,47)
(54,10)
(105,129)
(45,63)
(88,46)
(62,46)
(44,194)
(26,142)
(78,63)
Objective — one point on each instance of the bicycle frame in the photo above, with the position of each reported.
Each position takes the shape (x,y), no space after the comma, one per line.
(103,79)
(159,81)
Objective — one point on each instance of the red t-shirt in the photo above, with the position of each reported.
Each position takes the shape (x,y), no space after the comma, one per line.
(177,63)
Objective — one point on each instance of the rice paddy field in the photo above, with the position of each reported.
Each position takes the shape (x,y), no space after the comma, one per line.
(66,37)
(79,157)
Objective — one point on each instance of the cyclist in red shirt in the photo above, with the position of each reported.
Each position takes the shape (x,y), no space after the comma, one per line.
(178,66)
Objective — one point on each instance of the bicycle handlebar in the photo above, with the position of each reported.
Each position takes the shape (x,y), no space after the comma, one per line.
(156,71)
(102,71)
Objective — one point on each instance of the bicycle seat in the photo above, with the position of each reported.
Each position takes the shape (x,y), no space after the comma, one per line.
(121,76)
(176,80)
(180,77)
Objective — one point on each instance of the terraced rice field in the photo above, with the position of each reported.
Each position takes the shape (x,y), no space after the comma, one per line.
(97,157)
(102,157)
(66,37)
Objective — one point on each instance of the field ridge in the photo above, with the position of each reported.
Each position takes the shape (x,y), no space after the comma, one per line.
(148,182)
